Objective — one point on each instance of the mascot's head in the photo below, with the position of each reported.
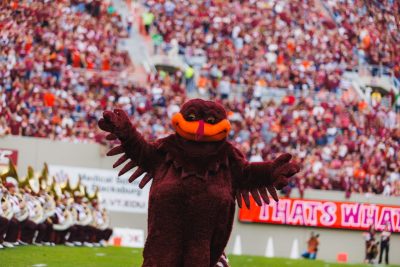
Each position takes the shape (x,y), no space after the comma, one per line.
(202,121)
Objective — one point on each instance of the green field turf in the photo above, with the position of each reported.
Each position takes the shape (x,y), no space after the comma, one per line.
(61,256)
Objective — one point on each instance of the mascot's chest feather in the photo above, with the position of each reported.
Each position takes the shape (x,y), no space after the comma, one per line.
(192,170)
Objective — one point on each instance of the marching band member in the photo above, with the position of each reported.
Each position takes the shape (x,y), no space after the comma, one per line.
(46,232)
(83,218)
(34,196)
(90,229)
(29,225)
(6,213)
(11,236)
(101,232)
(41,218)
(63,222)
(46,196)
(3,220)
(32,214)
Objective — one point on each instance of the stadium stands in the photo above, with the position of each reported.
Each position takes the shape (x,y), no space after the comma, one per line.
(43,45)
(254,42)
(373,28)
(53,83)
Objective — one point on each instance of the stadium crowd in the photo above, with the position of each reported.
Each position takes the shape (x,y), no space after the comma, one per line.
(41,45)
(287,44)
(375,28)
(342,142)
(41,211)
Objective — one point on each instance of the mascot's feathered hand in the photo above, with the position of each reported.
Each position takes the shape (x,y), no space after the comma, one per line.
(196,176)
(259,178)
(117,123)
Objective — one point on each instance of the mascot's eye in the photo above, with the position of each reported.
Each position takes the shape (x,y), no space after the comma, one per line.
(191,117)
(210,120)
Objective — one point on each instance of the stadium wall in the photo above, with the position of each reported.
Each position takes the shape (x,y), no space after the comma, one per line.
(253,237)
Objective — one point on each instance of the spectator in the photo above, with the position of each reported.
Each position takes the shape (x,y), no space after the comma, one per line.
(189,78)
(371,246)
(157,42)
(148,19)
(385,244)
(312,247)
(397,103)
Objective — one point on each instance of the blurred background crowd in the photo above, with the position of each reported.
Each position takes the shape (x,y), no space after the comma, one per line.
(59,59)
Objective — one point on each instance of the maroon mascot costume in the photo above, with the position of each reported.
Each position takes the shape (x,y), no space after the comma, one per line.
(197,175)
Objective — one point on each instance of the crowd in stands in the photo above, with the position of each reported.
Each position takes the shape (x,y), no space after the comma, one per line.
(301,44)
(374,26)
(42,43)
(285,44)
(341,142)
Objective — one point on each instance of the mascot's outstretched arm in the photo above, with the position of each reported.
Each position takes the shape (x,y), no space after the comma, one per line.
(133,146)
(259,178)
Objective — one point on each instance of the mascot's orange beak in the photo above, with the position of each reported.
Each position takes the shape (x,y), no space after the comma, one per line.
(199,130)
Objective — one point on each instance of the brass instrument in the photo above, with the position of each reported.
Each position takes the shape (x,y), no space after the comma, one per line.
(38,211)
(80,190)
(55,190)
(47,185)
(49,206)
(35,204)
(94,196)
(68,222)
(88,218)
(104,223)
(6,207)
(27,181)
(69,219)
(11,172)
(105,219)
(23,214)
(66,187)
(32,181)
(46,181)
(44,176)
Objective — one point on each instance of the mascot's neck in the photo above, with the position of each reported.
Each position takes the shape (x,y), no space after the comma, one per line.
(198,149)
(195,158)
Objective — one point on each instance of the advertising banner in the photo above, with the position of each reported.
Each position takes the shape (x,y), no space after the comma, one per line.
(321,213)
(115,193)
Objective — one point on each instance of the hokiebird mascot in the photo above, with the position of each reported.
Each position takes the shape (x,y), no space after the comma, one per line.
(196,177)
